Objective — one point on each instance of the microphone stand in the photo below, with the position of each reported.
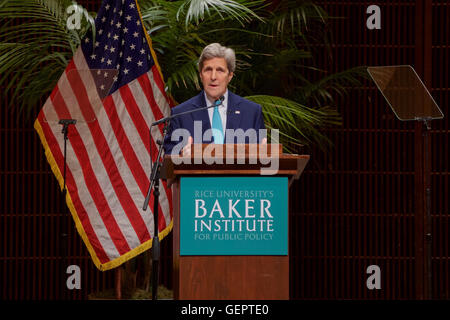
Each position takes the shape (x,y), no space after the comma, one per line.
(63,248)
(154,184)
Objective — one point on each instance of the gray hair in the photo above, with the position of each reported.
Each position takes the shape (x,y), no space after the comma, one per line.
(215,50)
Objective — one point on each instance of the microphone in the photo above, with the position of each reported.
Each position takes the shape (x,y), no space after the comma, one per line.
(219,101)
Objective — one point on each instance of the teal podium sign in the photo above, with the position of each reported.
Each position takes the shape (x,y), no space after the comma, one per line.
(233,216)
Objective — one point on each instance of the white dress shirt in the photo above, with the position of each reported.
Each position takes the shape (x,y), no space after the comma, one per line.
(222,110)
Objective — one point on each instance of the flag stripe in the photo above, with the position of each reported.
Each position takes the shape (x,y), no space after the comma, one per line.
(90,178)
(116,181)
(156,79)
(109,149)
(148,91)
(142,103)
(132,108)
(128,148)
(121,130)
(154,84)
(135,115)
(93,232)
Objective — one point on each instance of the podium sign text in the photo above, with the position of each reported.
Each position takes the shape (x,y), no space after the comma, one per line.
(233,216)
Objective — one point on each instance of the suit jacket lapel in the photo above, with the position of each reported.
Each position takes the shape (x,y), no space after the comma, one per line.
(201,115)
(234,111)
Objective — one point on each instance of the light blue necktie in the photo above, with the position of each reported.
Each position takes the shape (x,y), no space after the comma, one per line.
(217,128)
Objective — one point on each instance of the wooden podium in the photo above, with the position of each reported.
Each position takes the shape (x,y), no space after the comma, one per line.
(239,277)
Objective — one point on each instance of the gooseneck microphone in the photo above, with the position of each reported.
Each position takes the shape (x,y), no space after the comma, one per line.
(217,103)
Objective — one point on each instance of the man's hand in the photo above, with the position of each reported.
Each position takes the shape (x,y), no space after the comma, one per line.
(186,152)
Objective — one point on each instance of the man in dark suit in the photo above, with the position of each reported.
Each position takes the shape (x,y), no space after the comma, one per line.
(232,120)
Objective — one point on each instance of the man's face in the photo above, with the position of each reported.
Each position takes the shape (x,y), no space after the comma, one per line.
(215,77)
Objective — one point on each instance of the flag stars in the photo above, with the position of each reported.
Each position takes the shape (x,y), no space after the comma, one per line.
(120,45)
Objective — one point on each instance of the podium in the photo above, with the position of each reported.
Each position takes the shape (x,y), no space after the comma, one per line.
(226,247)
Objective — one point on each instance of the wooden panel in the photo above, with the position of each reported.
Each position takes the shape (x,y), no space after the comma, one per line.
(226,277)
(440,155)
(234,278)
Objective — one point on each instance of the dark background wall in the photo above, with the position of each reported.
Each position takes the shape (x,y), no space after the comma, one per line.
(353,207)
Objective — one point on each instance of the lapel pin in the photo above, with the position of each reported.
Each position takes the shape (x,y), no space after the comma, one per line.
(237,112)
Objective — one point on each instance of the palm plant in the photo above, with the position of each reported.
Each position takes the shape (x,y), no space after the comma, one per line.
(35,48)
(274,44)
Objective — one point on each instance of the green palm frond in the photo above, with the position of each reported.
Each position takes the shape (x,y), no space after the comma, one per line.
(296,17)
(324,90)
(196,11)
(35,52)
(297,123)
(275,46)
(184,76)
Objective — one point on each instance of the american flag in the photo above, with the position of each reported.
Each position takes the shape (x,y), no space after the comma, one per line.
(113,86)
